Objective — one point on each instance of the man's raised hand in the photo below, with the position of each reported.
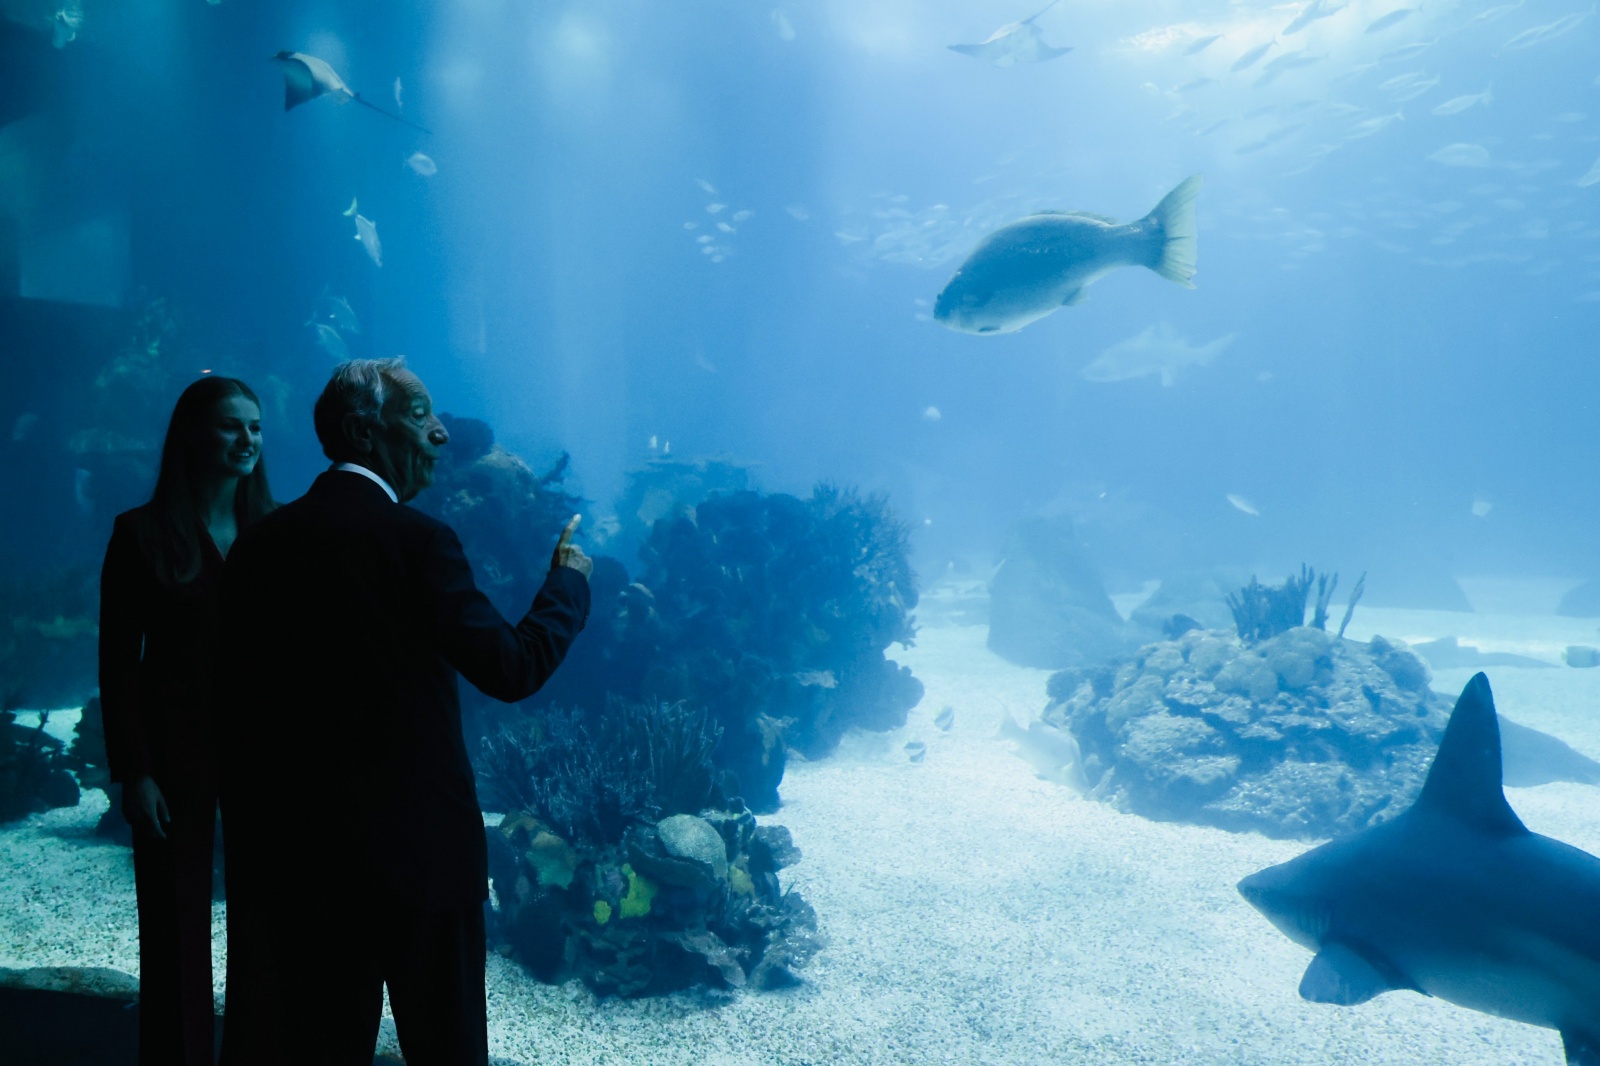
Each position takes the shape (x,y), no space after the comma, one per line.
(568,553)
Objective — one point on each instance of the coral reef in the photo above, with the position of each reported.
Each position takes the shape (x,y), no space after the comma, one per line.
(623,864)
(48,644)
(669,488)
(1303,734)
(774,614)
(769,612)
(506,515)
(34,769)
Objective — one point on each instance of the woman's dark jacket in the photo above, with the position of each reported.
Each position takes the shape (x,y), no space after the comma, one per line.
(157,644)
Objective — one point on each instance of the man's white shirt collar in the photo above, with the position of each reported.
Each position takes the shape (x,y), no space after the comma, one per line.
(356,468)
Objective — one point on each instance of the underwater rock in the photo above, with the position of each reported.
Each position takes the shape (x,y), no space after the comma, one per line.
(1047,605)
(1303,735)
(686,836)
(1200,595)
(1306,735)
(1581,602)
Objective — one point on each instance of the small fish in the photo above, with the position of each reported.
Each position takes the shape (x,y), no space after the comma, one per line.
(1462,155)
(1416,89)
(916,750)
(1548,32)
(350,212)
(1198,83)
(1402,81)
(1015,42)
(945,718)
(712,209)
(705,185)
(1393,18)
(399,92)
(1481,507)
(65,25)
(798,212)
(1495,12)
(367,234)
(80,490)
(422,165)
(1198,46)
(1591,177)
(743,216)
(725,228)
(1293,61)
(1317,9)
(23,425)
(1457,104)
(781,21)
(1406,51)
(1270,139)
(1242,504)
(931,414)
(1252,57)
(1214,127)
(1376,124)
(1026,269)
(329,340)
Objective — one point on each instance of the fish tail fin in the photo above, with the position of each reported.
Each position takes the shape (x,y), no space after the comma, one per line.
(1174,217)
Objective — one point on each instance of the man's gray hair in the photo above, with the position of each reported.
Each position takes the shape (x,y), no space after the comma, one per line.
(359,387)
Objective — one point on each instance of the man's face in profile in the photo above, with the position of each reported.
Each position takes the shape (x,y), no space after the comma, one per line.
(406,449)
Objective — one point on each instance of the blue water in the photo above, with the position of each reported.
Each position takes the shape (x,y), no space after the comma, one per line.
(1414,335)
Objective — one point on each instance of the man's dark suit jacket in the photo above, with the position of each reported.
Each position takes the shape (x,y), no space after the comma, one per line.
(346,619)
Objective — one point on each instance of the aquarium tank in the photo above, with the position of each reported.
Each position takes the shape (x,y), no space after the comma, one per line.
(1092,503)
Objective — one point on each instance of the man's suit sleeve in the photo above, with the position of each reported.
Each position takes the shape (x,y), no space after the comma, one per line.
(506,662)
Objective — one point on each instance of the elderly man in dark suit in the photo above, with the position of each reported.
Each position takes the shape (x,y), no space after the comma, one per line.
(355,844)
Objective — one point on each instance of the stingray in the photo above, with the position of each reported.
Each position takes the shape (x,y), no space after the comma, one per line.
(1016,42)
(307,77)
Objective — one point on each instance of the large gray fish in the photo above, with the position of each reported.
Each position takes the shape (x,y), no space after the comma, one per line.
(1028,268)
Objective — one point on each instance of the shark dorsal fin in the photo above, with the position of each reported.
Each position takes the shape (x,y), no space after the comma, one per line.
(1464,781)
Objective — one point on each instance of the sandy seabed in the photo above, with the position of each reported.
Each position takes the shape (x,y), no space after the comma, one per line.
(974,914)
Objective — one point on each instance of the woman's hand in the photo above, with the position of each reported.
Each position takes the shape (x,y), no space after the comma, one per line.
(145,807)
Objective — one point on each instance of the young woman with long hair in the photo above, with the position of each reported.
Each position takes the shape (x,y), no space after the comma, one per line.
(160,623)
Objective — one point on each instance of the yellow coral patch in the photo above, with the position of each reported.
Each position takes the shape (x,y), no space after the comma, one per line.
(739,881)
(636,904)
(602,911)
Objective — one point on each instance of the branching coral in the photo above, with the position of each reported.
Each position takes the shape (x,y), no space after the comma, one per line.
(589,777)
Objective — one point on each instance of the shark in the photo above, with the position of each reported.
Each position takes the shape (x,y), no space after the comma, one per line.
(1015,42)
(1453,898)
(1159,350)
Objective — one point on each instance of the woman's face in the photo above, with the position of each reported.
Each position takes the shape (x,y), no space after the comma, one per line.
(233,437)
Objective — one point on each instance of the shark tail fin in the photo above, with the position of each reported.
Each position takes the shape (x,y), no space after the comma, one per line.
(1465,780)
(1174,217)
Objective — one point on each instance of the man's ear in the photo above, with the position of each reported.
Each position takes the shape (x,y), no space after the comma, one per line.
(358,434)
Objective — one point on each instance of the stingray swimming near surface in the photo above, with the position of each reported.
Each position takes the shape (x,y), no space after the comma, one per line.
(1016,42)
(306,77)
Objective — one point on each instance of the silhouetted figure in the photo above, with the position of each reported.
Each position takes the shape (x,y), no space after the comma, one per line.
(355,842)
(160,619)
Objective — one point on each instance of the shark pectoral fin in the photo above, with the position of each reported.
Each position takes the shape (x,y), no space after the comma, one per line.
(1583,1049)
(1342,976)
(1074,298)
